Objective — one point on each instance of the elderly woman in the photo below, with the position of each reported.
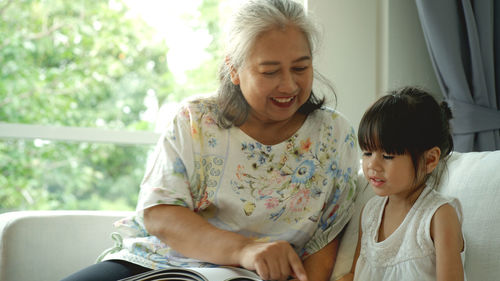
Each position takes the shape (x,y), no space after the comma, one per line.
(261,175)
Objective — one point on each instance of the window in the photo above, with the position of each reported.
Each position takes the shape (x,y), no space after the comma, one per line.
(106,64)
(47,175)
(82,84)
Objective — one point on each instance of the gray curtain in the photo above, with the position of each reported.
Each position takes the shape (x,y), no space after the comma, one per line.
(463,39)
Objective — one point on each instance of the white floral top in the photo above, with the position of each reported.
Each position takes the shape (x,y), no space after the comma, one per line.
(300,190)
(408,254)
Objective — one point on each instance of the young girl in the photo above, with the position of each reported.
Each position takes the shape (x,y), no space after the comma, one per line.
(409,231)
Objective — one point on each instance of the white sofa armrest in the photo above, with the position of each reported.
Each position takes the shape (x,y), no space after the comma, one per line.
(49,245)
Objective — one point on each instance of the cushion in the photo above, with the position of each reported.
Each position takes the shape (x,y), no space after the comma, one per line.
(49,245)
(474,178)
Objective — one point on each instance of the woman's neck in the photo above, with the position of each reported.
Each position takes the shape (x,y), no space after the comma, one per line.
(270,133)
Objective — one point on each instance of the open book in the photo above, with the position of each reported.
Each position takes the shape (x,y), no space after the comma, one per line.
(225,273)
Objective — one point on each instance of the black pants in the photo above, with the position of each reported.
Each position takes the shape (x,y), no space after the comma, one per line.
(110,270)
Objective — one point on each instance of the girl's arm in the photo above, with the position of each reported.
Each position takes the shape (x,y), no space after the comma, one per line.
(319,266)
(193,236)
(448,240)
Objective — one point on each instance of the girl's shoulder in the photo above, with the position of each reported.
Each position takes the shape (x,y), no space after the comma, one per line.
(372,208)
(434,200)
(375,202)
(446,223)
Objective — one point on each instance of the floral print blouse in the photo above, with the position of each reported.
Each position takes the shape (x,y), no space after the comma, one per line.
(300,190)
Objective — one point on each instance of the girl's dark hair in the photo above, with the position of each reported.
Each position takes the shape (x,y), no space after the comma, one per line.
(407,120)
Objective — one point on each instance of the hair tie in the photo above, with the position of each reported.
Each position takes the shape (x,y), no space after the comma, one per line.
(446,110)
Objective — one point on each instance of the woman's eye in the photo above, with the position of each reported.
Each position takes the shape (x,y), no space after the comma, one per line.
(366,154)
(388,157)
(300,69)
(270,72)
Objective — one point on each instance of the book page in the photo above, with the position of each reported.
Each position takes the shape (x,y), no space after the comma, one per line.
(227,274)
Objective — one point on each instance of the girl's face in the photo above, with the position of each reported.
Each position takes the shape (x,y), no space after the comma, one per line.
(276,78)
(389,174)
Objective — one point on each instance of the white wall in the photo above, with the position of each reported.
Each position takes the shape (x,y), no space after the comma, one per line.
(406,58)
(369,47)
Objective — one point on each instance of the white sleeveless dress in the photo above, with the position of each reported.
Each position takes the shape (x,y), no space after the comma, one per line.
(408,254)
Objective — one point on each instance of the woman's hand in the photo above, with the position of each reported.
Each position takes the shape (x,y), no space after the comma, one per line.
(192,236)
(273,260)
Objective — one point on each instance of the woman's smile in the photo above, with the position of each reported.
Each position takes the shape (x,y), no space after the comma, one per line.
(283,101)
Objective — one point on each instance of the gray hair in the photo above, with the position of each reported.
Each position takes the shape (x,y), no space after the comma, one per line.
(252,19)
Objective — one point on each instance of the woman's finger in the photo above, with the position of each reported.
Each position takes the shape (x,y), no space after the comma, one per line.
(262,269)
(297,267)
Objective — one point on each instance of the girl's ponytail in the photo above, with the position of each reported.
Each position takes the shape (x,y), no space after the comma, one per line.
(447,144)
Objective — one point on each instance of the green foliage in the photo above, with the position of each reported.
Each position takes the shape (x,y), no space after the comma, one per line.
(83,63)
(75,62)
(60,175)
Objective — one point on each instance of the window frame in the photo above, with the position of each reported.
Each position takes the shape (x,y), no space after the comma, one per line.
(76,134)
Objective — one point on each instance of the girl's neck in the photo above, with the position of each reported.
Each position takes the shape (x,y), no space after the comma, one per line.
(395,211)
(406,200)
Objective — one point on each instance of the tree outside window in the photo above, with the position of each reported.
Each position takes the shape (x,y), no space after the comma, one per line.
(98,64)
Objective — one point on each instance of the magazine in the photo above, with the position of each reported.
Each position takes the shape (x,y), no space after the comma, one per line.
(224,273)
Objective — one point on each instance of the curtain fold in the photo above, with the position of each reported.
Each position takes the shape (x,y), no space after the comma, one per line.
(462,37)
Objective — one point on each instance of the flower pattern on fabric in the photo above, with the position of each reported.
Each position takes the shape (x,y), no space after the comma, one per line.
(206,180)
(300,190)
(292,177)
(304,172)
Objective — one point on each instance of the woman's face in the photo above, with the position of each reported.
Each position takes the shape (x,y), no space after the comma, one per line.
(276,78)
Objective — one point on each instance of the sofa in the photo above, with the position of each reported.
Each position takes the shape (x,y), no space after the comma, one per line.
(48,245)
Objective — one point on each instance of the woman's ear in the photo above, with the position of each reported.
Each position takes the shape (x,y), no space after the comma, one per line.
(235,78)
(432,157)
